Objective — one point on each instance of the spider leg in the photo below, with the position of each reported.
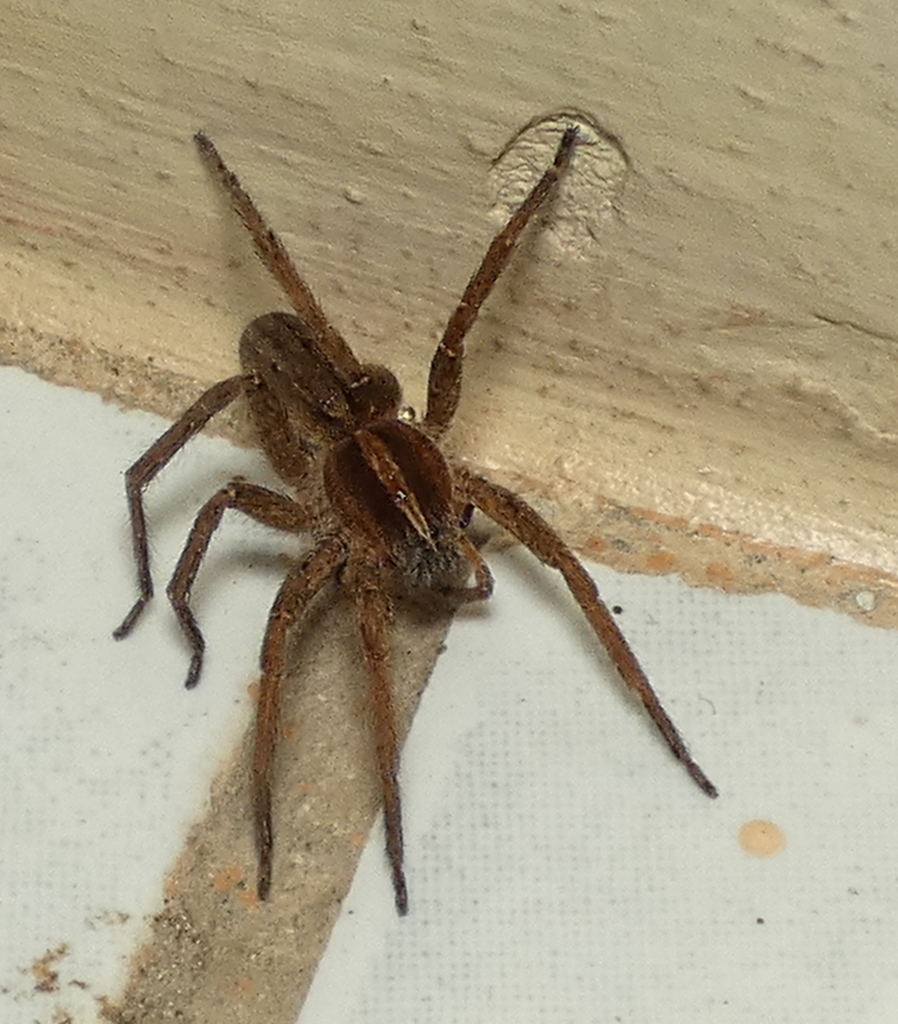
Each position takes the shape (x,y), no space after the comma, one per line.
(444,384)
(299,588)
(271,251)
(483,578)
(259,503)
(516,516)
(375,613)
(155,458)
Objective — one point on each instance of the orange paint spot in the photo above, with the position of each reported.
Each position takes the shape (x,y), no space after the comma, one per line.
(762,838)
(719,573)
(795,556)
(661,561)
(245,986)
(595,545)
(708,530)
(226,879)
(672,522)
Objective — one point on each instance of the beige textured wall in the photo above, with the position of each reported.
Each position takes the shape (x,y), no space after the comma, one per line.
(721,346)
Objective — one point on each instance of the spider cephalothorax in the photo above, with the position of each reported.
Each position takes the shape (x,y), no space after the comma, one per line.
(381,502)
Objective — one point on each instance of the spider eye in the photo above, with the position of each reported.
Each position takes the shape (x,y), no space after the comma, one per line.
(375,394)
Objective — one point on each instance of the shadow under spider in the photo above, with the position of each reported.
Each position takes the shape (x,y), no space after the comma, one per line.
(386,510)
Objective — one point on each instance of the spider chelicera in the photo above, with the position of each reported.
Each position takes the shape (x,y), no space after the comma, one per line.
(385,509)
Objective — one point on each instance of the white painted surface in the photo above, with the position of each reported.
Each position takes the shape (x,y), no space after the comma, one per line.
(105,758)
(562,867)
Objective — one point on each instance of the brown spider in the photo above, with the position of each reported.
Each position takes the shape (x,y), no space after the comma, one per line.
(384,507)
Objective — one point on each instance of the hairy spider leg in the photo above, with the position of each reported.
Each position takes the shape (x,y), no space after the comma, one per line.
(297,591)
(444,384)
(259,503)
(374,611)
(273,254)
(515,515)
(155,458)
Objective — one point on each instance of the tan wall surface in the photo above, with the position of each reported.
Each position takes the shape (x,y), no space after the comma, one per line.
(719,346)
